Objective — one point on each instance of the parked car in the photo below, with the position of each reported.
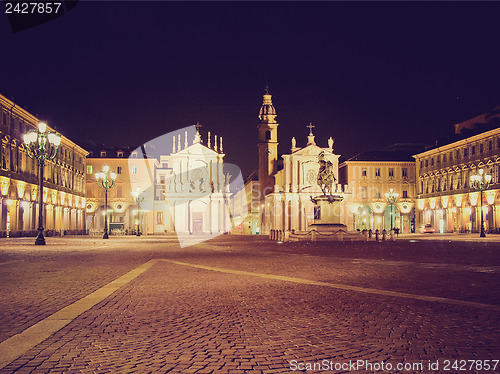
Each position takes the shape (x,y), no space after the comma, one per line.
(428,229)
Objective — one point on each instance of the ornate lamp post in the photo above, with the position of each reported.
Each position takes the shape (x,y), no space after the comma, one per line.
(42,146)
(138,199)
(481,182)
(391,198)
(105,179)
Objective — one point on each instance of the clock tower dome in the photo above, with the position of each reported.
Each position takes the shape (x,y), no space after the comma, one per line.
(267,144)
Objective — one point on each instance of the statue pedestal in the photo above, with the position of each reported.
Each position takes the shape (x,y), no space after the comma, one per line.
(328,212)
(327,226)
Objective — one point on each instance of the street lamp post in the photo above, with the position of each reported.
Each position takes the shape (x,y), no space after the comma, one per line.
(481,182)
(41,145)
(391,198)
(106,180)
(138,199)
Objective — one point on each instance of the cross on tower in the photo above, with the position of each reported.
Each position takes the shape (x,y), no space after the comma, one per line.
(198,126)
(266,90)
(310,126)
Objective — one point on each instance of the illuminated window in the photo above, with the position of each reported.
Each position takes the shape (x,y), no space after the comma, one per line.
(134,169)
(159,218)
(363,192)
(89,169)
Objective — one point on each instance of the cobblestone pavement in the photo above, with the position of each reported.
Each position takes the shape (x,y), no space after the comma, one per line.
(181,319)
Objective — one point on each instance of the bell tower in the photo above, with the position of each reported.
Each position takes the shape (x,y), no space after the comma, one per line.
(267,144)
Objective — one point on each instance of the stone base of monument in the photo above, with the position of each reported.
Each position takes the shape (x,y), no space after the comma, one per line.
(327,226)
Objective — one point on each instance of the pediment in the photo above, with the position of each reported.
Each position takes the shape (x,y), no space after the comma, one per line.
(197,149)
(311,150)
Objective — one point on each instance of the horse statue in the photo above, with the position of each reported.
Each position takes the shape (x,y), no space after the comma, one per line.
(326,176)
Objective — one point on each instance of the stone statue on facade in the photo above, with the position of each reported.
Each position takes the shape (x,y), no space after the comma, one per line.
(326,176)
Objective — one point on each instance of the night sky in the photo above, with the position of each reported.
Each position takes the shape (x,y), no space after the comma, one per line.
(367,74)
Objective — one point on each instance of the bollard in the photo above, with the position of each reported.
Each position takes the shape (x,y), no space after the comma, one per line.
(370,233)
(384,233)
(376,234)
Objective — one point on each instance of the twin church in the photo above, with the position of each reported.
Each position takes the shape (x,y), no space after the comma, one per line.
(279,194)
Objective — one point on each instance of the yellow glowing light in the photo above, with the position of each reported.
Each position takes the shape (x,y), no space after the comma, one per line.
(9,202)
(432,203)
(490,197)
(420,204)
(444,201)
(473,198)
(458,200)
(42,127)
(485,209)
(467,210)
(454,209)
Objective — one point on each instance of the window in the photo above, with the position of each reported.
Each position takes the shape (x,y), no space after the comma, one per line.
(159,218)
(481,148)
(162,179)
(466,152)
(268,135)
(103,153)
(405,194)
(89,169)
(457,154)
(490,145)
(404,172)
(391,172)
(444,158)
(119,154)
(377,172)
(473,150)
(432,161)
(426,163)
(363,172)
(119,170)
(134,169)
(377,193)
(363,192)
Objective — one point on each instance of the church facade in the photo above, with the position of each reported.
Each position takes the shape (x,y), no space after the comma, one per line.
(287,185)
(192,192)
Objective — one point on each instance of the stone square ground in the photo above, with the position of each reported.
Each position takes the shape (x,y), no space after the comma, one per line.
(239,304)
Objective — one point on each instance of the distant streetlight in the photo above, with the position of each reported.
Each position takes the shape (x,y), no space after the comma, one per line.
(139,198)
(106,180)
(481,182)
(42,146)
(391,198)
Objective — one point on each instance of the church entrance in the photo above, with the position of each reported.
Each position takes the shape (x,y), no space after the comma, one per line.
(197,223)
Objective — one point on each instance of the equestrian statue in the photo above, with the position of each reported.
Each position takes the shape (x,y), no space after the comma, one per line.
(326,176)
